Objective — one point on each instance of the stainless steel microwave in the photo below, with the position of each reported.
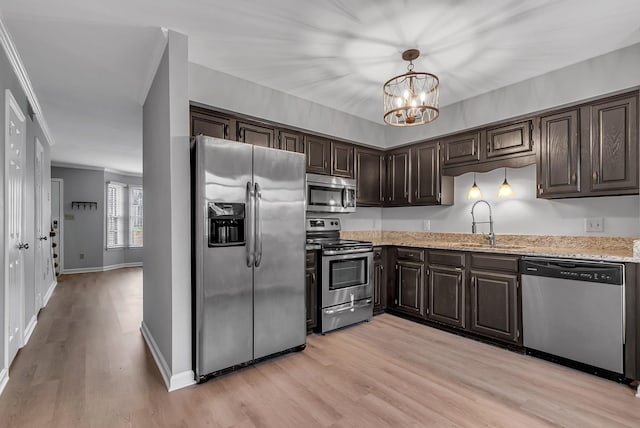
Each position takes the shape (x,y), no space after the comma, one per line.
(330,194)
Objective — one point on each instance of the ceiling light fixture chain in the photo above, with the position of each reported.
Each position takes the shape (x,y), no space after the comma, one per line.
(411,98)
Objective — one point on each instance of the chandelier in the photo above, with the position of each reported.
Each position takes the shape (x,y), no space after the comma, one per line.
(411,98)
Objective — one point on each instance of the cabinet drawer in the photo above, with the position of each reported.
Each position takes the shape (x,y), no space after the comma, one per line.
(311,259)
(446,258)
(492,262)
(412,254)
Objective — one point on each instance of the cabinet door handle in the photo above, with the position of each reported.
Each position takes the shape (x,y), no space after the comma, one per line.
(596,177)
(473,282)
(540,190)
(313,277)
(225,130)
(573,178)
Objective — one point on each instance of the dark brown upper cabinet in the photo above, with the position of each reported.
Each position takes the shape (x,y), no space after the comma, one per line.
(559,155)
(509,140)
(318,151)
(341,159)
(461,149)
(256,135)
(205,123)
(612,127)
(370,177)
(398,177)
(428,184)
(591,150)
(290,141)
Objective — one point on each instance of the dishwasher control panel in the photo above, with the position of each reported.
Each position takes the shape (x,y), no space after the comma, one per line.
(589,271)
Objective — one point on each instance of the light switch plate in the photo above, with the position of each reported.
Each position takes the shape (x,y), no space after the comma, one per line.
(594,224)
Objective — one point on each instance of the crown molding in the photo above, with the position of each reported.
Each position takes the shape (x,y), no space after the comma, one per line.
(21,73)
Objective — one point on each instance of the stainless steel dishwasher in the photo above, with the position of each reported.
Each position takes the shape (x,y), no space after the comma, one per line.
(575,310)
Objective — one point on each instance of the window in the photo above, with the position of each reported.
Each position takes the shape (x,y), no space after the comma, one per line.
(135,216)
(115,215)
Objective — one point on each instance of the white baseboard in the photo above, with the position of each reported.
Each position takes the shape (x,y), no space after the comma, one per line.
(4,378)
(172,382)
(122,265)
(182,380)
(49,292)
(28,331)
(101,268)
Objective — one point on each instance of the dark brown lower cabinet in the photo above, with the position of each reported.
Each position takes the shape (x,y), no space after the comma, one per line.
(495,297)
(379,281)
(409,296)
(311,292)
(447,295)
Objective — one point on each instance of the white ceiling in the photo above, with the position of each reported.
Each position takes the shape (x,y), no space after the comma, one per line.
(90,61)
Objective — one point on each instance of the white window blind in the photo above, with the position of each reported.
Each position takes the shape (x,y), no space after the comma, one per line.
(135,216)
(115,215)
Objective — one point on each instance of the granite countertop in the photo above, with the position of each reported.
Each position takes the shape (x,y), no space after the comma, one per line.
(615,249)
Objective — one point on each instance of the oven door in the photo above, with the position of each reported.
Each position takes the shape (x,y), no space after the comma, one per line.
(346,277)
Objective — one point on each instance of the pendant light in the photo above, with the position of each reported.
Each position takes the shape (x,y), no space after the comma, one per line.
(505,189)
(474,191)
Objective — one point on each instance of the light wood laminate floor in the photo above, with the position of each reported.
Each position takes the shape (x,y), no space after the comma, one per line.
(87,366)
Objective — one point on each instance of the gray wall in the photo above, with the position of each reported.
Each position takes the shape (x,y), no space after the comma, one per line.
(8,80)
(117,256)
(167,259)
(223,91)
(85,232)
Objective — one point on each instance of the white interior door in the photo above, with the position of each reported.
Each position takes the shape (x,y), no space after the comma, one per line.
(14,224)
(57,223)
(42,254)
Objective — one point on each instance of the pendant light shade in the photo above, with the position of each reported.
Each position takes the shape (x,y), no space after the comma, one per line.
(474,191)
(505,190)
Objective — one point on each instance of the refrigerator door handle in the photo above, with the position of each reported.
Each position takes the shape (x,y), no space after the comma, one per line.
(249,222)
(258,226)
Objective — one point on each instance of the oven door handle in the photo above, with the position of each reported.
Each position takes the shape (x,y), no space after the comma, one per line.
(347,308)
(341,252)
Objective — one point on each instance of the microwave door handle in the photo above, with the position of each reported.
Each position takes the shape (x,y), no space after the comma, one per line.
(249,224)
(345,197)
(258,225)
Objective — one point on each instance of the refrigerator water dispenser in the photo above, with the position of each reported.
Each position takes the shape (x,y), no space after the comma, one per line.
(226,224)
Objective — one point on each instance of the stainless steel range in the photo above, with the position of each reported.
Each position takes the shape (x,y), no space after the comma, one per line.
(346,277)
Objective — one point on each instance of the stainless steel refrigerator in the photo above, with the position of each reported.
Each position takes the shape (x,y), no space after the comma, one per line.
(249,248)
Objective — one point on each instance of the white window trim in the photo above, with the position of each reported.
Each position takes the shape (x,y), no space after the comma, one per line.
(131,189)
(124,216)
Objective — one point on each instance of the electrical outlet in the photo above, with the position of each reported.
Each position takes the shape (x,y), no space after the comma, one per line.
(594,224)
(81,256)
(426,225)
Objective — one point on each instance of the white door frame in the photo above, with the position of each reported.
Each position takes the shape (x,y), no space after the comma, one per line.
(11,105)
(60,231)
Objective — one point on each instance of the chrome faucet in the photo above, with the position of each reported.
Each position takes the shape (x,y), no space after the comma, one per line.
(491,236)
